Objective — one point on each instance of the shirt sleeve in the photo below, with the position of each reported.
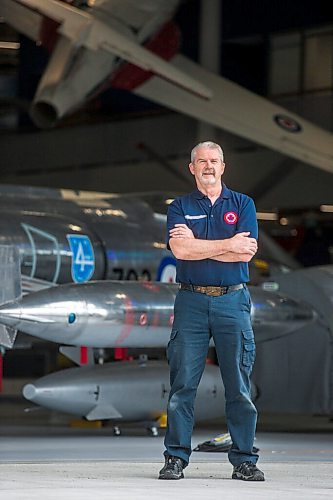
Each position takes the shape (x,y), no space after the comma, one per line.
(175,216)
(248,218)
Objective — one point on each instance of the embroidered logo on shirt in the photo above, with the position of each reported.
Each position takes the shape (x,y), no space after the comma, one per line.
(230,217)
(195,216)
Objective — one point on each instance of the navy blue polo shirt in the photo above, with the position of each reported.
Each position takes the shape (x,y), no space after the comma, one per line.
(231,213)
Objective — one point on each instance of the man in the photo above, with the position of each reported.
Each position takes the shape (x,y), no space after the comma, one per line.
(213,234)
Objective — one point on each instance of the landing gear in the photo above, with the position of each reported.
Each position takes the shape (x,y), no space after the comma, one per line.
(116,431)
(152,431)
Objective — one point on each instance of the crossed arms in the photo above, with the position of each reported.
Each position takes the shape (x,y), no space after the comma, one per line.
(184,246)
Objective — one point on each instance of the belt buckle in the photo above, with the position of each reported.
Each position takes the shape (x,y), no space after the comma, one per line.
(213,291)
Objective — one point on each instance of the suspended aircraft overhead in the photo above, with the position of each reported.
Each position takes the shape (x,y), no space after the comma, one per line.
(133,45)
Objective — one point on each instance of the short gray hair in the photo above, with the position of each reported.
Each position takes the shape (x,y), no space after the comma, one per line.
(209,145)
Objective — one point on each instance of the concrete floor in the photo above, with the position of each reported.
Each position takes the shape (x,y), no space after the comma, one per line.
(43,456)
(123,480)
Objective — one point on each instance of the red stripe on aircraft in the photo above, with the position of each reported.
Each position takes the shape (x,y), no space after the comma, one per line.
(165,44)
(83,355)
(128,321)
(48,35)
(49,30)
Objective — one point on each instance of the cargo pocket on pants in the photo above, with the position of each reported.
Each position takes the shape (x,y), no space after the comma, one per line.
(249,348)
(173,335)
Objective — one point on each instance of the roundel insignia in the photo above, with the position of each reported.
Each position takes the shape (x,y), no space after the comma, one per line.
(230,217)
(287,123)
(167,270)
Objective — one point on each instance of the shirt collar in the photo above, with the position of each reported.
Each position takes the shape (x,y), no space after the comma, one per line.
(225,194)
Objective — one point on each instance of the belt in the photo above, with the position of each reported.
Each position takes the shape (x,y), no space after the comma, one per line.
(214,291)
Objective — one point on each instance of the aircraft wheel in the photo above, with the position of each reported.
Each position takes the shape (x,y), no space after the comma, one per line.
(153,431)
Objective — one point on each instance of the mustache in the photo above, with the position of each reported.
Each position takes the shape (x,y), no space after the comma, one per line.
(208,171)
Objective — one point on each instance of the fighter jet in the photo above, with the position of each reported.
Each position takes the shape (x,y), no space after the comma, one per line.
(110,246)
(66,236)
(133,44)
(97,393)
(132,314)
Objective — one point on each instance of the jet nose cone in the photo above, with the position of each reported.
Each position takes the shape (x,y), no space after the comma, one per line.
(41,394)
(61,392)
(29,392)
(37,315)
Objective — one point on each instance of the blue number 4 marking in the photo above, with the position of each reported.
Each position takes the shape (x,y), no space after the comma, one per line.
(83,257)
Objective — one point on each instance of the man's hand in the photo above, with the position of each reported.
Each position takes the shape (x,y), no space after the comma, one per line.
(243,244)
(181,231)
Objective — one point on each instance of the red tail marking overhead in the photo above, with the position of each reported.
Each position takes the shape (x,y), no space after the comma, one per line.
(165,44)
(49,31)
(48,35)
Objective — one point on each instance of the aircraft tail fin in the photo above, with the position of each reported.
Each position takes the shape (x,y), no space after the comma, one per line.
(10,289)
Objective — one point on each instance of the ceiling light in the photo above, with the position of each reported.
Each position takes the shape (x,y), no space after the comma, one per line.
(326,208)
(10,45)
(267,216)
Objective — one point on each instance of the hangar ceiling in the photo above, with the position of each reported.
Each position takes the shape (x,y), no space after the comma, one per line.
(129,144)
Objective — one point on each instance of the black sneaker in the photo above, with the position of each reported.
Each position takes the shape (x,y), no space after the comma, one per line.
(173,468)
(248,471)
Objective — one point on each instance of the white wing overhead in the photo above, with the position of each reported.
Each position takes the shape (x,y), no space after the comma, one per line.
(104,37)
(246,114)
(84,30)
(21,18)
(85,56)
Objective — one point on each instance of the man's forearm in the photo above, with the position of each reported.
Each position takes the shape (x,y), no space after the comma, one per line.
(185,247)
(233,257)
(196,249)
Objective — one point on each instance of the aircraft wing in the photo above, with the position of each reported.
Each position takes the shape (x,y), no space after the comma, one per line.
(83,29)
(182,85)
(244,113)
(21,18)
